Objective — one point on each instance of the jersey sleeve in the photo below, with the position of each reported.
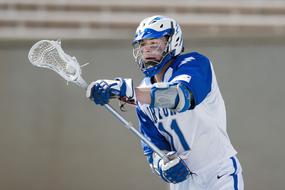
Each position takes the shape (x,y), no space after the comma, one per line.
(149,130)
(194,71)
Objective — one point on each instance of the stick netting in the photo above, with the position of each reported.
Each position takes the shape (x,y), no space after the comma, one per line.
(49,54)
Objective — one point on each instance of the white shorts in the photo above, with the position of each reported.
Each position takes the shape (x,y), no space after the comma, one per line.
(226,175)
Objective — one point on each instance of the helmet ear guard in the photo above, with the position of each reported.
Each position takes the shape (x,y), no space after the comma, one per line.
(176,41)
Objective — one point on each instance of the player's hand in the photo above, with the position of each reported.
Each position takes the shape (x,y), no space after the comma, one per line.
(174,171)
(101,91)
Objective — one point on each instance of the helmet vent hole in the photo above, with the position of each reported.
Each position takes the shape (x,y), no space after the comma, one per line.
(175,45)
(161,25)
(177,39)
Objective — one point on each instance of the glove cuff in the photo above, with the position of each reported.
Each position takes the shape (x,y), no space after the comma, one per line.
(126,87)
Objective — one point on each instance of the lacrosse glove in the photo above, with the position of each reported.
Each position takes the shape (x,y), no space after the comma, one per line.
(101,91)
(174,171)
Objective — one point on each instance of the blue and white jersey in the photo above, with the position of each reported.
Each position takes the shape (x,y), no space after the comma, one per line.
(198,135)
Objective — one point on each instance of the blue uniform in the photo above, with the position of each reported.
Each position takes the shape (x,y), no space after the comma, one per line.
(199,134)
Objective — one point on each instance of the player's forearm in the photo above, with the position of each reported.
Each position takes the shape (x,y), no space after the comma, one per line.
(143,95)
(165,95)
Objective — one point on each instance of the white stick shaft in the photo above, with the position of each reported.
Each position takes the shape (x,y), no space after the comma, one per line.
(81,82)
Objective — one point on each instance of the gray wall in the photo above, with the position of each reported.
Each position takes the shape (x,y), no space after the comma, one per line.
(52,137)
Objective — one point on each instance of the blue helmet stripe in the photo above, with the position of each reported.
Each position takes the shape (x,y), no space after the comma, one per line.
(149,33)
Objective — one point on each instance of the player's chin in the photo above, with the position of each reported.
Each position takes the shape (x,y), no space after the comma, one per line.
(151,56)
(151,59)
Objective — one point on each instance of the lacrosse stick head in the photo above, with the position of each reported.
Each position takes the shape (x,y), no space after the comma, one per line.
(49,54)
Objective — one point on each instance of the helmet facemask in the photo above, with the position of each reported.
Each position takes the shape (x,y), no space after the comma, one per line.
(149,52)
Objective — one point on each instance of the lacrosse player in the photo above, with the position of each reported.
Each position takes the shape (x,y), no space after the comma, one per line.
(180,109)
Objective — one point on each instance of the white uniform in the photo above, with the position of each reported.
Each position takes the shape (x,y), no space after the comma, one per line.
(198,135)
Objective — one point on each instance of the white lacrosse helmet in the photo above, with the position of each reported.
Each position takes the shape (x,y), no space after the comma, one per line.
(157,27)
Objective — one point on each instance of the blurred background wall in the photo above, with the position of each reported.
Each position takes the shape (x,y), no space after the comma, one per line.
(52,137)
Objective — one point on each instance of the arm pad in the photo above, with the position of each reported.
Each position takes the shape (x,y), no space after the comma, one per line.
(173,96)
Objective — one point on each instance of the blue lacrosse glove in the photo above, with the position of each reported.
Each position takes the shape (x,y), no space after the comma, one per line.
(101,91)
(174,171)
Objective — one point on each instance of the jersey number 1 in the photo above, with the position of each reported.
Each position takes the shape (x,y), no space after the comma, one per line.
(174,126)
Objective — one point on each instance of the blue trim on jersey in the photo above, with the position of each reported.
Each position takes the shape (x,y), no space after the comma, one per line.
(235,173)
(149,130)
(198,67)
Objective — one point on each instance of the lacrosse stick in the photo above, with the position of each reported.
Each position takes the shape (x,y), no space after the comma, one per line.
(49,54)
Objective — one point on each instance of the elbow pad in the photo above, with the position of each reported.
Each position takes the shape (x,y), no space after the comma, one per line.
(185,97)
(172,96)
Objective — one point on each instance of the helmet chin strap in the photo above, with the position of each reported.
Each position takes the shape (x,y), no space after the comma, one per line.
(151,63)
(153,70)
